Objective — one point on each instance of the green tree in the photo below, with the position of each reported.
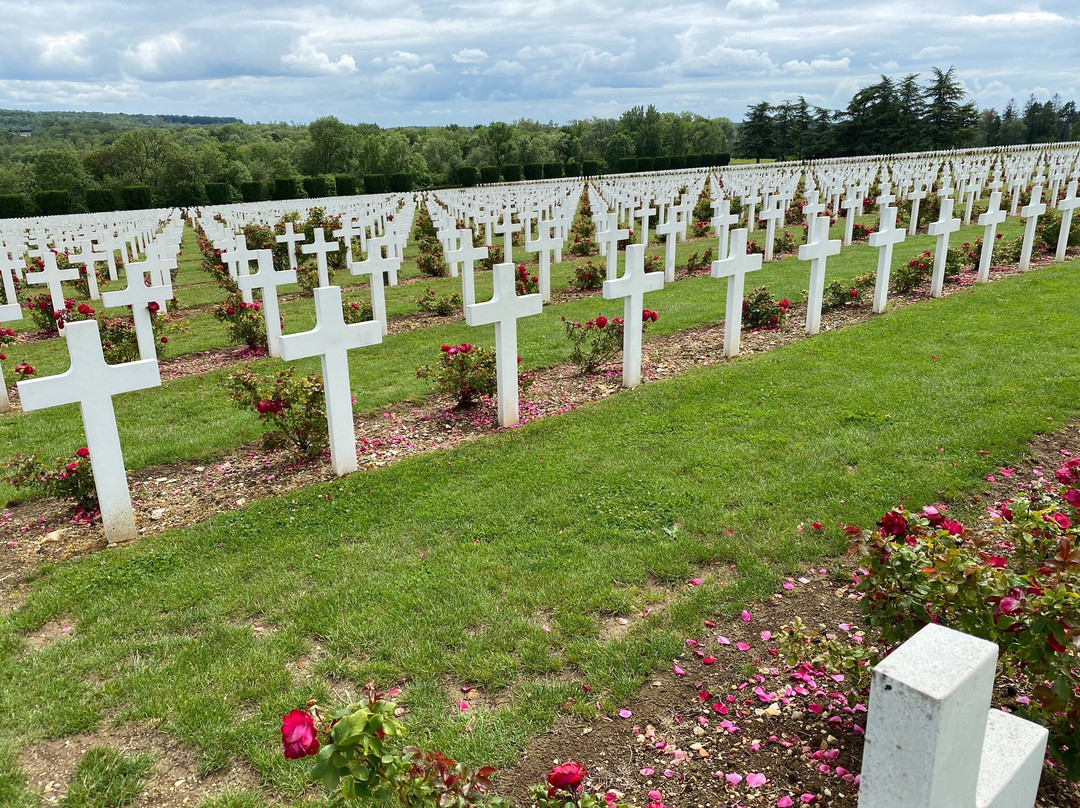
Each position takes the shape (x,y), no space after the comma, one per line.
(498,138)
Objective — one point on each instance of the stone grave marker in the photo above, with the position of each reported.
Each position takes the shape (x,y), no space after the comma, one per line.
(290,239)
(543,244)
(1067,206)
(51,275)
(8,311)
(722,220)
(321,248)
(942,229)
(1031,212)
(139,296)
(267,279)
(91,383)
(632,286)
(331,340)
(734,268)
(466,254)
(885,239)
(669,228)
(504,309)
(817,251)
(932,740)
(990,220)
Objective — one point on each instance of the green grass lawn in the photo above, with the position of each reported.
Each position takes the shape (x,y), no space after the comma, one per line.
(565,522)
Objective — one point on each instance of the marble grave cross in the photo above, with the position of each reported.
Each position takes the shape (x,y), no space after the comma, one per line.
(943,228)
(290,239)
(632,286)
(1067,206)
(140,296)
(734,268)
(990,220)
(1031,212)
(331,340)
(887,237)
(321,248)
(817,251)
(91,383)
(504,309)
(466,254)
(267,279)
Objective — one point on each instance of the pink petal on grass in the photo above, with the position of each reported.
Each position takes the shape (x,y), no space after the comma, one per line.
(546,628)
(990,478)
(746,616)
(755,780)
(678,671)
(695,582)
(788,585)
(625,713)
(463,705)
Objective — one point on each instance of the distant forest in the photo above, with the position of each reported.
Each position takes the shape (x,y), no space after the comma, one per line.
(55,162)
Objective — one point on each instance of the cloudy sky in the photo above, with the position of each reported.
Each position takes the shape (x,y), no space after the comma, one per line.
(400,62)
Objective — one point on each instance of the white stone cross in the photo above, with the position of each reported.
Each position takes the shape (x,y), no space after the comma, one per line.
(88,258)
(887,237)
(990,220)
(851,204)
(9,267)
(771,215)
(932,740)
(92,384)
(8,311)
(721,221)
(817,251)
(1067,206)
(668,228)
(52,275)
(466,254)
(1031,212)
(504,309)
(632,286)
(320,248)
(943,228)
(734,268)
(750,203)
(645,212)
(544,244)
(139,296)
(916,195)
(331,340)
(346,234)
(267,279)
(238,258)
(611,238)
(376,267)
(290,239)
(507,230)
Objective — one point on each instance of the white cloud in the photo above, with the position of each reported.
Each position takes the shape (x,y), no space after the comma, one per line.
(1038,17)
(936,51)
(65,49)
(470,56)
(723,56)
(503,67)
(148,55)
(817,65)
(305,58)
(539,52)
(752,8)
(403,58)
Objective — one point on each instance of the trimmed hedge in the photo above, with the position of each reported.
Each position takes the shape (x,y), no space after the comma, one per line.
(553,171)
(53,203)
(345,185)
(573,169)
(661,163)
(315,187)
(375,184)
(512,172)
(252,191)
(286,188)
(678,161)
(100,200)
(467,176)
(627,165)
(591,168)
(217,193)
(645,164)
(12,206)
(400,182)
(136,197)
(489,174)
(534,171)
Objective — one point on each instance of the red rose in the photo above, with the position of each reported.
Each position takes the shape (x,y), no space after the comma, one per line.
(601,321)
(153,306)
(1072,496)
(83,452)
(72,466)
(263,407)
(1062,521)
(298,735)
(164,340)
(445,348)
(230,311)
(567,775)
(893,524)
(84,309)
(954,528)
(817,526)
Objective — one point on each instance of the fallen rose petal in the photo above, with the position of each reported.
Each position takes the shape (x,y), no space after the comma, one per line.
(742,646)
(784,802)
(708,660)
(788,585)
(655,795)
(746,616)
(463,705)
(755,780)
(646,772)
(625,713)
(807,798)
(678,671)
(734,778)
(723,641)
(766,636)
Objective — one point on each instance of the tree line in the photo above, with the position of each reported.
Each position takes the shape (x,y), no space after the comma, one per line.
(901,116)
(58,162)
